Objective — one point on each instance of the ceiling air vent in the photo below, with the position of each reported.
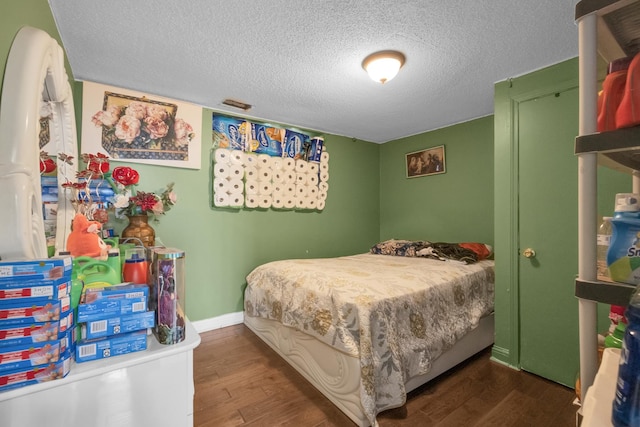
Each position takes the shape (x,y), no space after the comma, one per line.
(237,104)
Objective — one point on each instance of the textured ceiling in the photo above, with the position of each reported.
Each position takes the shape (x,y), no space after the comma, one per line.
(298,62)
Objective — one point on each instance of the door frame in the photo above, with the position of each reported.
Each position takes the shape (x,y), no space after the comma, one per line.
(507,98)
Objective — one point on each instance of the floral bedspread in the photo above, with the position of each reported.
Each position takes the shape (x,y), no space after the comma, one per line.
(397,314)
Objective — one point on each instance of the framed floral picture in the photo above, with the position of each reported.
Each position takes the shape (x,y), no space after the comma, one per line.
(429,161)
(140,128)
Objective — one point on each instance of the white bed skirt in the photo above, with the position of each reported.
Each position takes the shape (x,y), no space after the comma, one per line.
(337,375)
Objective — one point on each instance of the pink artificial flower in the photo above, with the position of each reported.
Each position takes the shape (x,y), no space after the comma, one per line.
(158,208)
(173,197)
(183,131)
(157,112)
(128,128)
(156,127)
(108,117)
(136,109)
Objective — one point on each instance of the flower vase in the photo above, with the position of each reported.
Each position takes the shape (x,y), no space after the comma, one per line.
(139,228)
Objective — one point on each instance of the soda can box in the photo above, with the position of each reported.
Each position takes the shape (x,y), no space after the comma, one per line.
(39,310)
(118,325)
(116,345)
(23,331)
(109,301)
(36,374)
(22,288)
(26,355)
(47,268)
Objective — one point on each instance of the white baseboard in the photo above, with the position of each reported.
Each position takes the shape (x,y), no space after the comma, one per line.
(218,322)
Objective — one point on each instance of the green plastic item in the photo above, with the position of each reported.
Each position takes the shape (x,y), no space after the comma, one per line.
(614,340)
(113,241)
(76,291)
(94,273)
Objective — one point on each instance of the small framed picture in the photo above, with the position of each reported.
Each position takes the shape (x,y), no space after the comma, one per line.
(429,161)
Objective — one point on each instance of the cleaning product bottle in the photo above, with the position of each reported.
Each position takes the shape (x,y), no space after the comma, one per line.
(135,266)
(113,260)
(612,93)
(628,113)
(623,257)
(603,241)
(626,404)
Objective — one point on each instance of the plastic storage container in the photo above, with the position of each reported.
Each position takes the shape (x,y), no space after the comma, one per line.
(626,405)
(168,275)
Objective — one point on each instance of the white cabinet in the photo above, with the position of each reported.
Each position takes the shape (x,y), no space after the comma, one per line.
(607,29)
(148,388)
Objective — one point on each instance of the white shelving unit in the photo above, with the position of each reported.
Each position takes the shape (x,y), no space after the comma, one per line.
(608,29)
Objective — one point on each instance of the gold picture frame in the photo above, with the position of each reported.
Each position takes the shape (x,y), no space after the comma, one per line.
(429,161)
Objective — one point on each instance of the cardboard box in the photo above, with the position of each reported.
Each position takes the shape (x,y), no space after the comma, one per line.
(27,332)
(36,374)
(48,181)
(110,301)
(37,310)
(50,211)
(111,346)
(26,288)
(46,268)
(27,355)
(118,325)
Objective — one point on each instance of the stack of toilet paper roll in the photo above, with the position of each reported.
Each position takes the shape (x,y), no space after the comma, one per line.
(269,182)
(228,186)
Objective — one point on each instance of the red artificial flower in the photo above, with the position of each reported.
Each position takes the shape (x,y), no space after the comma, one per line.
(47,165)
(98,163)
(146,201)
(125,175)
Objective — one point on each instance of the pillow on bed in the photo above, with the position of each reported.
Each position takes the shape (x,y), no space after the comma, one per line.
(465,252)
(482,250)
(399,247)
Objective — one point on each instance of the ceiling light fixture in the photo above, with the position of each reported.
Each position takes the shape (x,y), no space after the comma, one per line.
(384,65)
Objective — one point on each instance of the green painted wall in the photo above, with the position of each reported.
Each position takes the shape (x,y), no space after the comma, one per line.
(17,14)
(455,206)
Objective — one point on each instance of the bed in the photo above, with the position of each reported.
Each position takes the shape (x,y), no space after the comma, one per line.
(368,328)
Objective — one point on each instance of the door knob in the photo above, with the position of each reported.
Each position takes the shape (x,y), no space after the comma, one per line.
(529,253)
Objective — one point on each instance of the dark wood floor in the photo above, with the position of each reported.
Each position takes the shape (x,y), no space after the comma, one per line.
(240,381)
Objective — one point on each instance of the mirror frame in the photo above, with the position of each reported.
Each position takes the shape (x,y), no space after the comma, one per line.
(34,76)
